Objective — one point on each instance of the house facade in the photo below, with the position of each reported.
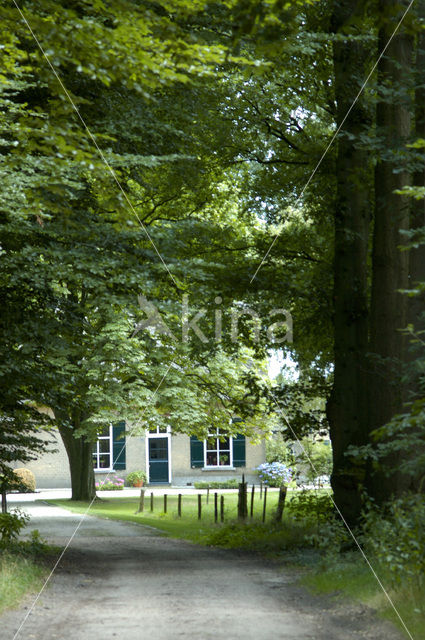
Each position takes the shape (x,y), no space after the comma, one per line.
(167,458)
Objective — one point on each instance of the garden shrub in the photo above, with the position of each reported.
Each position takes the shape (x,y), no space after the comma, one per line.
(316,461)
(311,505)
(395,535)
(322,526)
(274,474)
(11,525)
(258,537)
(25,480)
(110,484)
(224,484)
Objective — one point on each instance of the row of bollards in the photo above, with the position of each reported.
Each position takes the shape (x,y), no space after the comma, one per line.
(219,505)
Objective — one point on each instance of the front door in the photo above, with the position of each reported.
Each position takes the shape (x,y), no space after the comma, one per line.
(158,460)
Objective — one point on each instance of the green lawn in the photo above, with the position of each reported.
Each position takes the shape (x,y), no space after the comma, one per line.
(187,526)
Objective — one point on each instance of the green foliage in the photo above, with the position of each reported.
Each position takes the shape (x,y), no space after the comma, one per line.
(11,525)
(315,458)
(347,575)
(18,436)
(278,450)
(312,505)
(303,402)
(165,93)
(396,538)
(257,537)
(24,565)
(64,221)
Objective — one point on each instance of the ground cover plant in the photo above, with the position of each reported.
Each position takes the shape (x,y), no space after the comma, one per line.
(24,566)
(18,577)
(223,484)
(347,575)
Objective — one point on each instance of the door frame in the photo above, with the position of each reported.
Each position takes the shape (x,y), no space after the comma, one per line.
(148,436)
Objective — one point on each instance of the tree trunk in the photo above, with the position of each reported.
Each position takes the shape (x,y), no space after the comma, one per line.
(389,264)
(346,406)
(416,304)
(80,456)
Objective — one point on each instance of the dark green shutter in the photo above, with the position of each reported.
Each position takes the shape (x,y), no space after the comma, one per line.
(239,451)
(196,452)
(118,445)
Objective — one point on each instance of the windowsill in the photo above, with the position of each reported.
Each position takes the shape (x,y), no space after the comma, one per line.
(222,468)
(104,470)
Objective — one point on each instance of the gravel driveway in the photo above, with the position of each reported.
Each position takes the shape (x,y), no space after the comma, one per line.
(123,580)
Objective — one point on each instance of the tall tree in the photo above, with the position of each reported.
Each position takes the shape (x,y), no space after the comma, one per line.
(72,229)
(347,408)
(390,266)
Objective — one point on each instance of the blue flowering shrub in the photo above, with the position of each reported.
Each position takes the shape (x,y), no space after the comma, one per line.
(274,474)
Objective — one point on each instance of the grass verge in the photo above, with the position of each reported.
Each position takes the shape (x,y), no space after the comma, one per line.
(19,576)
(349,576)
(24,567)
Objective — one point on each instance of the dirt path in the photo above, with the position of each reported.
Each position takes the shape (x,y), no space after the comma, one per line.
(122,580)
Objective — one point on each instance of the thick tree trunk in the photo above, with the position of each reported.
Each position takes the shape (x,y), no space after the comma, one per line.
(416,304)
(80,456)
(389,264)
(346,405)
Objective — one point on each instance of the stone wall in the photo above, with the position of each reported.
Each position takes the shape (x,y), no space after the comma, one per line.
(51,470)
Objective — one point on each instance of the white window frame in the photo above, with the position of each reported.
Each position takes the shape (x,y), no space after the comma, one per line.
(217,435)
(157,432)
(97,453)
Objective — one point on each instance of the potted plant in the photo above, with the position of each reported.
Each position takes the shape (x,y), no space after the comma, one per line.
(136,478)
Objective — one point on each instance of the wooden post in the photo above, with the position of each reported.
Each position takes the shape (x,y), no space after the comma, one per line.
(264,503)
(179,505)
(261,489)
(199,506)
(252,501)
(165,503)
(141,501)
(215,507)
(221,508)
(208,495)
(3,500)
(280,504)
(242,500)
(151,500)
